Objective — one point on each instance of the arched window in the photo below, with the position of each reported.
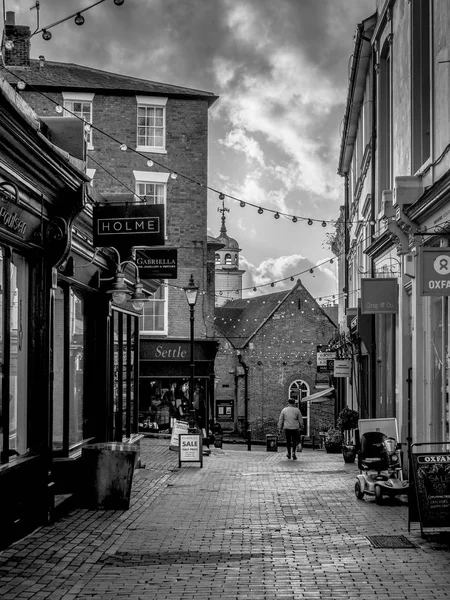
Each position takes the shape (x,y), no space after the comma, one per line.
(236,259)
(217,259)
(228,259)
(298,390)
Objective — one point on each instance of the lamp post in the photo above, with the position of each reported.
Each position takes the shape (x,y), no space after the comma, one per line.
(191,292)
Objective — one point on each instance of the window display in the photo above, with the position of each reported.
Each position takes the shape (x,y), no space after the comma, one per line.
(163,400)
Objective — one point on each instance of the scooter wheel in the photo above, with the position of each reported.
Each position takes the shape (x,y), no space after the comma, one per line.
(378,494)
(358,491)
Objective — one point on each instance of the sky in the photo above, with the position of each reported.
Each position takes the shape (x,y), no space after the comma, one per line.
(280,69)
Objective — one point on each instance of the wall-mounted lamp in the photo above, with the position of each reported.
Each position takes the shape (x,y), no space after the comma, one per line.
(120,291)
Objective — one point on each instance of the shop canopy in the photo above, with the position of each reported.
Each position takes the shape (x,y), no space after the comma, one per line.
(319,396)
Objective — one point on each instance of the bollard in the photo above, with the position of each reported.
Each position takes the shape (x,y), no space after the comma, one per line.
(249,439)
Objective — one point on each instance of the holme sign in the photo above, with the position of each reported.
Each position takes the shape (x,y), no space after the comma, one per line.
(129,225)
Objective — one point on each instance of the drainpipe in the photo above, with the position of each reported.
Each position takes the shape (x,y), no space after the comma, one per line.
(246,369)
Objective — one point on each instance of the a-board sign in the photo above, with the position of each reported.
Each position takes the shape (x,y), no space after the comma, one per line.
(190,448)
(431,473)
(177,428)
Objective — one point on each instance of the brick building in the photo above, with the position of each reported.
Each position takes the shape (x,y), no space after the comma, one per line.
(268,353)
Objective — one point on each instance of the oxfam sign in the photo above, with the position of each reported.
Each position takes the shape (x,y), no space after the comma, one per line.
(434,271)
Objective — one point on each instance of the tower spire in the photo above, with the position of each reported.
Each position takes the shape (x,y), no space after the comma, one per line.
(223,210)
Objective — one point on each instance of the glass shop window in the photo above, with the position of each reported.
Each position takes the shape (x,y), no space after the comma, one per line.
(124,331)
(68,367)
(13,354)
(163,400)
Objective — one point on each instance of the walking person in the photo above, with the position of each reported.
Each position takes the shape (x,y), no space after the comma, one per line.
(291,420)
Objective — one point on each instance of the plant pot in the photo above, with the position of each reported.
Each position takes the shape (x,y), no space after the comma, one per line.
(333,447)
(349,453)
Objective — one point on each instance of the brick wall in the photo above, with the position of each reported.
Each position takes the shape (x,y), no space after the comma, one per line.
(186,218)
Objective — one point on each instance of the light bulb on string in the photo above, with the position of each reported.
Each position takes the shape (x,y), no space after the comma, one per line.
(59,108)
(260,211)
(21,85)
(79,19)
(310,222)
(173,175)
(123,147)
(324,224)
(311,270)
(254,289)
(292,279)
(221,196)
(294,219)
(242,204)
(276,215)
(150,163)
(46,35)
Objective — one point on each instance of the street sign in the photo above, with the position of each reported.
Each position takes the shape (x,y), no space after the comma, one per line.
(342,367)
(128,225)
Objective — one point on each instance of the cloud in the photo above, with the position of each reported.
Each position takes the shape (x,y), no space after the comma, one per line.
(321,282)
(238,140)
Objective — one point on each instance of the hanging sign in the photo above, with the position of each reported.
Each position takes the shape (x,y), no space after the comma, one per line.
(128,225)
(157,263)
(434,271)
(379,295)
(342,367)
(325,360)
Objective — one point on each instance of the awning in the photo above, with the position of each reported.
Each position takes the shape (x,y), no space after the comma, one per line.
(319,396)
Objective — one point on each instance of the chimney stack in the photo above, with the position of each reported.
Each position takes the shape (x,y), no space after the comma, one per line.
(19,35)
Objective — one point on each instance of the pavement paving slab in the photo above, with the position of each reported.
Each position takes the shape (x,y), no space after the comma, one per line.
(247,525)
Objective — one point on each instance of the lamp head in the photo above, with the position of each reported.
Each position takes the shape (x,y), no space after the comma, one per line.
(138,298)
(191,292)
(119,289)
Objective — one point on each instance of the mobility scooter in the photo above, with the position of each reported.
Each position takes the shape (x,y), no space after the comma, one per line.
(379,460)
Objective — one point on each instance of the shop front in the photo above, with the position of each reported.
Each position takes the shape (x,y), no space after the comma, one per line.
(165,378)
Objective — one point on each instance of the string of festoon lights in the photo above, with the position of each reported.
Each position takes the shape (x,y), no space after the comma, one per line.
(22,84)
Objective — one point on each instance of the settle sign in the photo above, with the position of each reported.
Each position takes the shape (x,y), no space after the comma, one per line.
(379,296)
(434,271)
(158,263)
(129,225)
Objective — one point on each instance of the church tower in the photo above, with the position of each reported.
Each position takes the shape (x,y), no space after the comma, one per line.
(228,276)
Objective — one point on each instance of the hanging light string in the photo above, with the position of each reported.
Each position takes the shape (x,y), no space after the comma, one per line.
(174,173)
(46,34)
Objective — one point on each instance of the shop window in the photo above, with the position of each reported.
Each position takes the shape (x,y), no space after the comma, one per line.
(68,367)
(298,390)
(124,375)
(154,315)
(13,354)
(162,400)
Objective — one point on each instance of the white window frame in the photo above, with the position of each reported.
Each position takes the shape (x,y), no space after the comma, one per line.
(165,289)
(151,102)
(87,99)
(155,178)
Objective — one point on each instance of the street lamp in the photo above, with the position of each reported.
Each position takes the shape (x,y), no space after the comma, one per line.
(191,292)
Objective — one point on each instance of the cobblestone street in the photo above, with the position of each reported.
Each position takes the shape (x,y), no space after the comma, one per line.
(247,525)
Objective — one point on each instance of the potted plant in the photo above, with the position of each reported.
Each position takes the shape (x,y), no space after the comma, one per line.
(347,421)
(333,441)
